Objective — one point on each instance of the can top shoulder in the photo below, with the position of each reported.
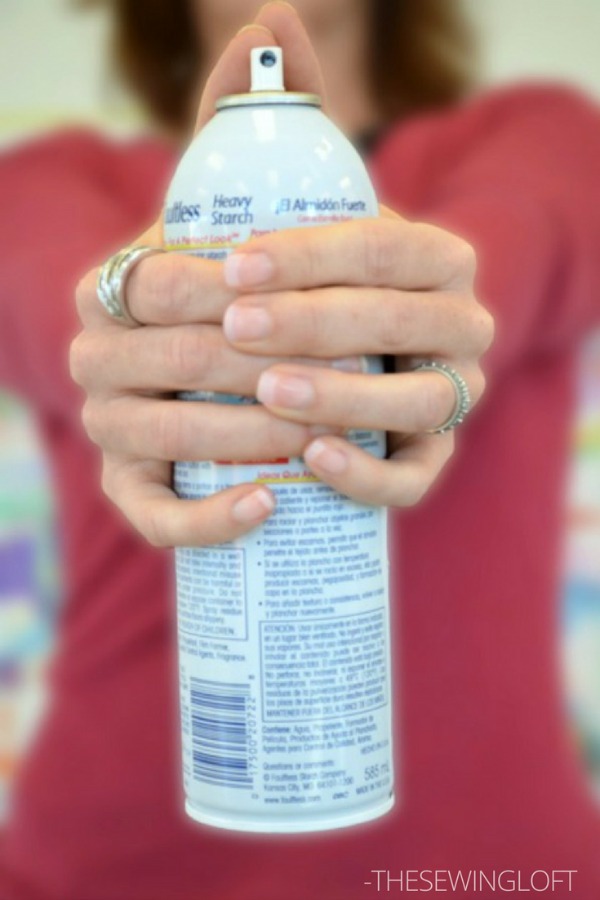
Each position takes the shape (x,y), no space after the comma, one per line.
(268,98)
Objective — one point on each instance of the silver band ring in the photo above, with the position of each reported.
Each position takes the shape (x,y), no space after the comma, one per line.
(110,286)
(461,391)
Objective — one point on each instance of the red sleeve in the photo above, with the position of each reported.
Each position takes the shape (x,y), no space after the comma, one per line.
(517,173)
(68,202)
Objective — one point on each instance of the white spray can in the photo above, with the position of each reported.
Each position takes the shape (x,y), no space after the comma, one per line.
(284,634)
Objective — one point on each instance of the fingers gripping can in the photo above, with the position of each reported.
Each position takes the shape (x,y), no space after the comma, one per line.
(283,635)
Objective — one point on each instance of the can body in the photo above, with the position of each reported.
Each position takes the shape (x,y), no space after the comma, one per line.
(284,634)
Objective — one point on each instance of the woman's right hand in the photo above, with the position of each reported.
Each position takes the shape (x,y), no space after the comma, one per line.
(131,375)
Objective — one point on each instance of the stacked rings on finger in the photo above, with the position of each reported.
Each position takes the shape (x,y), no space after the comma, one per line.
(112,277)
(463,397)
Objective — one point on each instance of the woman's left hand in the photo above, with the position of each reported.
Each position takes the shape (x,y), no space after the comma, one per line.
(372,286)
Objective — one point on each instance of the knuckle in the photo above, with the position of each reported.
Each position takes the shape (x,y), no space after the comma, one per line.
(461,259)
(170,429)
(79,359)
(436,402)
(452,256)
(166,429)
(313,256)
(314,325)
(188,356)
(487,327)
(92,421)
(166,283)
(84,292)
(380,250)
(397,324)
(477,326)
(154,528)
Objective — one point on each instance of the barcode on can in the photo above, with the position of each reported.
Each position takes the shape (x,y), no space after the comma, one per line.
(219,719)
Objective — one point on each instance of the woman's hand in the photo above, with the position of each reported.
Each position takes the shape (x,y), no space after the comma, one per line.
(372,286)
(377,286)
(130,376)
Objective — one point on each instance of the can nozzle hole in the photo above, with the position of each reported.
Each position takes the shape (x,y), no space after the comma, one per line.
(268,59)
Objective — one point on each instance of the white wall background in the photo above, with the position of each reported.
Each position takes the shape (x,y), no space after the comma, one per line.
(555,38)
(53,67)
(53,61)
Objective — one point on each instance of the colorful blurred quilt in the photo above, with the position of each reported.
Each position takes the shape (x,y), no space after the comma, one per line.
(581,639)
(28,586)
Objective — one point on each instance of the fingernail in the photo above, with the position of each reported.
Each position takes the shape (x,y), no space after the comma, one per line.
(247,323)
(322,456)
(253,506)
(349,364)
(285,390)
(247,269)
(253,26)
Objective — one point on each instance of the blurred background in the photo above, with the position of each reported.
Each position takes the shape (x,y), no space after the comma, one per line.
(54,71)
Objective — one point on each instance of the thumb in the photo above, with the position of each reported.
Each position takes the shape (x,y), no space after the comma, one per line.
(277,24)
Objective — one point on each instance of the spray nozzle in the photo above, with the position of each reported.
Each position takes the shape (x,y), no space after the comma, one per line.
(267,69)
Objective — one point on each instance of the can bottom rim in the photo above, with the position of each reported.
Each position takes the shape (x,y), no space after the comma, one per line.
(277,826)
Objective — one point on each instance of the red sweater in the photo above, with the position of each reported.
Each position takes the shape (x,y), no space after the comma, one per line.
(489,777)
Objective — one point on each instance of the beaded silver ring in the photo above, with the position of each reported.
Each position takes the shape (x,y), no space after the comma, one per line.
(461,390)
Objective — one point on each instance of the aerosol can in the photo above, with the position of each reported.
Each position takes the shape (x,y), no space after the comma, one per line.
(284,633)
